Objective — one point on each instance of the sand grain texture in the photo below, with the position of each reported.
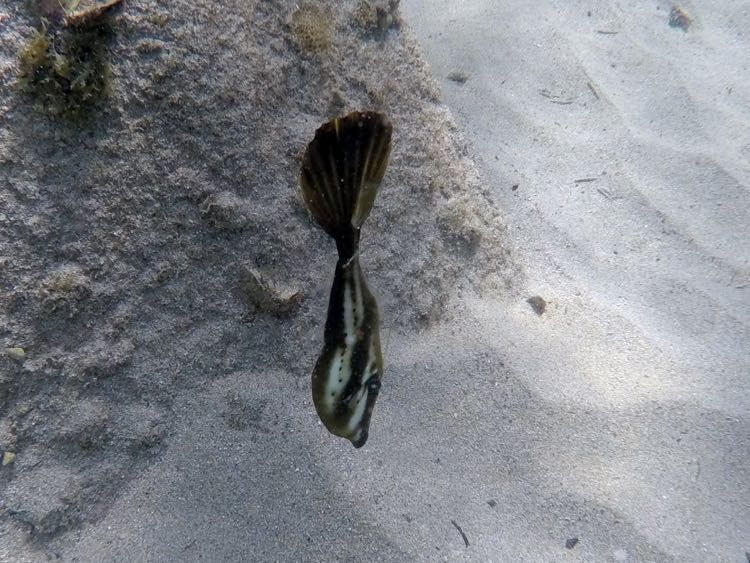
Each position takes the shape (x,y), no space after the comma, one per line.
(162,410)
(129,241)
(619,150)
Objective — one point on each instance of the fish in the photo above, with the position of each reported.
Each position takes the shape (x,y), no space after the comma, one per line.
(342,170)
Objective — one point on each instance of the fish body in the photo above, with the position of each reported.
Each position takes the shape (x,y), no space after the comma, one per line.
(341,173)
(346,378)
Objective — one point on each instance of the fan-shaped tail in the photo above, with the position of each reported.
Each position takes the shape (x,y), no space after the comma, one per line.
(341,173)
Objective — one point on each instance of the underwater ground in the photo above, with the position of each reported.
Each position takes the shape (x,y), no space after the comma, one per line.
(559,250)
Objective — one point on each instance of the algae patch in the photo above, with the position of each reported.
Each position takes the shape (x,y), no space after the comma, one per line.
(459,227)
(8,458)
(63,291)
(377,16)
(312,27)
(66,70)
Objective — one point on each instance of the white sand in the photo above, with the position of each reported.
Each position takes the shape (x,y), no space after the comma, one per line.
(645,346)
(618,418)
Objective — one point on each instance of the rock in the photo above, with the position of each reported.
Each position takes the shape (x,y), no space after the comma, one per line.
(267,297)
(538,304)
(16,353)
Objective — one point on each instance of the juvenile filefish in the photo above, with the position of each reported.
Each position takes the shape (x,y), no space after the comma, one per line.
(341,174)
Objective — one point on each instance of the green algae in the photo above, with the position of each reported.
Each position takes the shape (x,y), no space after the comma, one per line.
(66,70)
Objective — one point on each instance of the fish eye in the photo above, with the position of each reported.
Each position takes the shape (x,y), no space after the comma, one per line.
(373,384)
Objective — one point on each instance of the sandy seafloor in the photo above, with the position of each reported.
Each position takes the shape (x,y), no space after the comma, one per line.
(162,411)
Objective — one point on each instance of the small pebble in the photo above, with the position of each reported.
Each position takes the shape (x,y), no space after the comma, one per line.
(538,304)
(678,17)
(17,353)
(492,503)
(571,543)
(8,458)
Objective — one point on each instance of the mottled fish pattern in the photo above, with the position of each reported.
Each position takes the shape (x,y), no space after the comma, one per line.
(341,173)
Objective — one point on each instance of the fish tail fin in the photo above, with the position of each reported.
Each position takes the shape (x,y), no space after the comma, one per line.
(341,174)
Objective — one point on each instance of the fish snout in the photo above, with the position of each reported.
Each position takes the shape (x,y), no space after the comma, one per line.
(359,439)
